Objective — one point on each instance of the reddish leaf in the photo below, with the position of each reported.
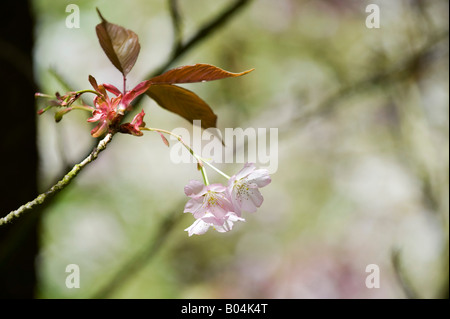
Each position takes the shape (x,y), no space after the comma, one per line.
(183,102)
(194,73)
(120,45)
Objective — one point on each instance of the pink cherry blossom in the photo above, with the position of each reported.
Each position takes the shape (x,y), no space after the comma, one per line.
(210,206)
(243,188)
(207,199)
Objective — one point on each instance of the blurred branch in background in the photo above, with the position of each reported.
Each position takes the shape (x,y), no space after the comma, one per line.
(177,24)
(402,277)
(395,79)
(142,257)
(180,47)
(399,71)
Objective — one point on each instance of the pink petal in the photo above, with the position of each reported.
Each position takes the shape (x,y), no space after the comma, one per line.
(248,201)
(201,210)
(218,188)
(199,227)
(194,188)
(228,223)
(193,205)
(253,201)
(213,220)
(218,204)
(247,169)
(259,178)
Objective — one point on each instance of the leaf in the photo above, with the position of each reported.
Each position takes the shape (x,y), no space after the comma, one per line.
(194,73)
(184,103)
(120,45)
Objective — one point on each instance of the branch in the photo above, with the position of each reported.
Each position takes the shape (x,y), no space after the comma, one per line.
(206,30)
(176,23)
(179,49)
(42,198)
(399,71)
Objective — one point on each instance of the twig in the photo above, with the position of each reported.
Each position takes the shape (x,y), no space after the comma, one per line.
(59,185)
(206,30)
(203,32)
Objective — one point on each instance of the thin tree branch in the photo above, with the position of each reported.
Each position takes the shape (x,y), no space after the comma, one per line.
(206,30)
(59,186)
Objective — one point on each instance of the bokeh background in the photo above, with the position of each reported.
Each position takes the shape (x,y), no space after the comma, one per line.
(362,178)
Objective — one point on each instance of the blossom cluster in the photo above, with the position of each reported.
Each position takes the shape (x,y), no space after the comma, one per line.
(220,206)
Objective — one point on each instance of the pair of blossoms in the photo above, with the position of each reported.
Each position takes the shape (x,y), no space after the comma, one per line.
(212,205)
(220,207)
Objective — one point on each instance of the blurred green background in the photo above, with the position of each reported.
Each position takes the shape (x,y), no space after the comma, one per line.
(363,158)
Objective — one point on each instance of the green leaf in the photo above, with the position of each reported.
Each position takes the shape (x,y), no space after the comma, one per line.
(194,73)
(119,44)
(183,102)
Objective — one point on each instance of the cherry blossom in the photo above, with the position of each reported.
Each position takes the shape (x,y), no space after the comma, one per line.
(207,199)
(243,188)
